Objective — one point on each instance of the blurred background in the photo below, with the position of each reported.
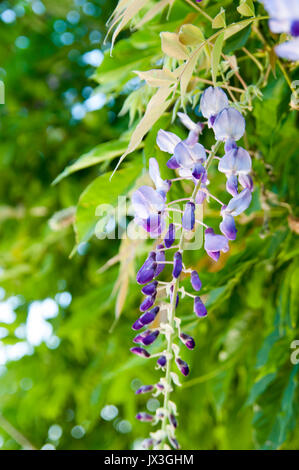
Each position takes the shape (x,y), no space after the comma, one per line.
(65,381)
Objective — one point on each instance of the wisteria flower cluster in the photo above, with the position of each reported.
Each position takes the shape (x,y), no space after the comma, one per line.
(284,18)
(191,161)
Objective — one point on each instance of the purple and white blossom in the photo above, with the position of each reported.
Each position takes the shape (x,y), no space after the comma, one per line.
(153,206)
(284,18)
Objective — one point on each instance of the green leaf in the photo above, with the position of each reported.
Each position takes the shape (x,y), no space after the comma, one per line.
(239,39)
(259,387)
(219,20)
(101,153)
(102,191)
(216,54)
(246,8)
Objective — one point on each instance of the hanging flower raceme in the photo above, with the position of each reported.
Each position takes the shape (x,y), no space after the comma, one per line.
(284,18)
(153,212)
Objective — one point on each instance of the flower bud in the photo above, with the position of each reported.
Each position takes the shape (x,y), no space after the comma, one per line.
(170,236)
(162,361)
(199,307)
(143,416)
(188,219)
(147,271)
(140,352)
(182,366)
(177,265)
(147,303)
(187,340)
(160,256)
(144,389)
(150,289)
(195,281)
(173,421)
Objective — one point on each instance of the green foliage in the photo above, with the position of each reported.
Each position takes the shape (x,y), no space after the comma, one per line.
(242,392)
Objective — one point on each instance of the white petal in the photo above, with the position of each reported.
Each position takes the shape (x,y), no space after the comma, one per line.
(213,100)
(288,50)
(167,141)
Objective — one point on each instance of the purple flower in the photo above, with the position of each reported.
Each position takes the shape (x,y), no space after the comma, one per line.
(144,389)
(150,289)
(143,416)
(288,50)
(214,244)
(170,236)
(188,156)
(199,308)
(246,181)
(187,340)
(140,352)
(147,337)
(160,256)
(182,366)
(239,203)
(284,18)
(162,361)
(229,124)
(162,186)
(235,162)
(177,264)
(148,206)
(146,318)
(147,271)
(232,184)
(228,226)
(188,219)
(195,281)
(200,197)
(167,141)
(147,303)
(195,129)
(213,101)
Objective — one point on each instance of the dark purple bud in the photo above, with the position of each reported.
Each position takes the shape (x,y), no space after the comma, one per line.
(214,254)
(142,416)
(229,145)
(170,236)
(177,264)
(172,440)
(199,172)
(246,181)
(147,271)
(149,316)
(150,289)
(183,366)
(187,340)
(177,297)
(140,352)
(172,163)
(160,256)
(162,361)
(232,185)
(212,118)
(149,337)
(160,386)
(173,420)
(144,389)
(137,325)
(200,197)
(295,28)
(188,219)
(195,281)
(199,307)
(147,303)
